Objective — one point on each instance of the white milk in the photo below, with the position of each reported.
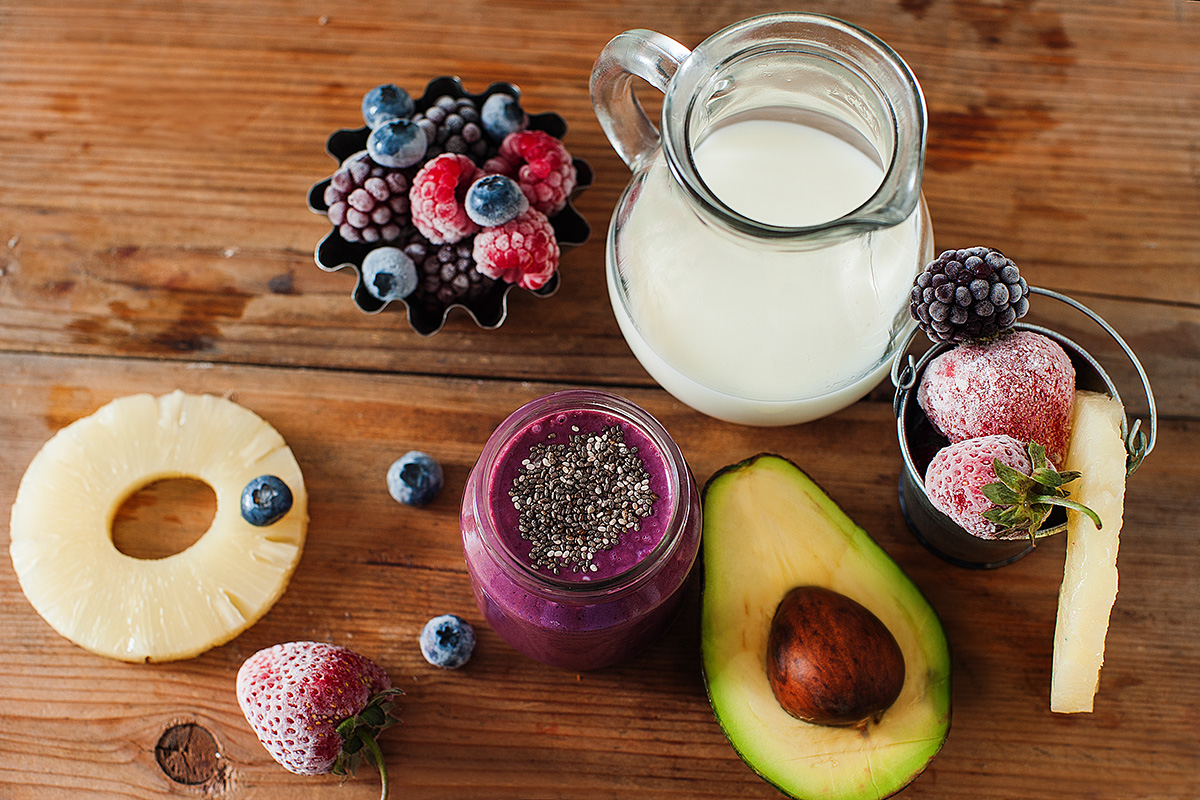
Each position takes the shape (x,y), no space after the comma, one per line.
(749,331)
(786,174)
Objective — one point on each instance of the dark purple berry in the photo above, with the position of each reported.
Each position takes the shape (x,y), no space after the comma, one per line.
(368,202)
(446,274)
(452,125)
(968,294)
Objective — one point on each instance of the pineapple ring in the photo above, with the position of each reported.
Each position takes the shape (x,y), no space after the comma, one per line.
(162,609)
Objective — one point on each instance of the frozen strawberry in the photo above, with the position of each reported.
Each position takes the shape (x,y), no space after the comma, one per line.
(522,251)
(437,198)
(995,487)
(956,476)
(317,707)
(543,168)
(1021,384)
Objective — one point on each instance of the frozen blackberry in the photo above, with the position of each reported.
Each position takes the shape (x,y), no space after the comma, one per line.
(446,273)
(968,294)
(453,126)
(368,202)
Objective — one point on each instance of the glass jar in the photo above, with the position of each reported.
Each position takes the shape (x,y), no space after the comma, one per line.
(594,618)
(795,309)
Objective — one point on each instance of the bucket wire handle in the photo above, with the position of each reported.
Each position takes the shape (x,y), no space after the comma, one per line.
(1138,444)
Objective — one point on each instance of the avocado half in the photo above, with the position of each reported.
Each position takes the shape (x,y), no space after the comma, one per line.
(769,528)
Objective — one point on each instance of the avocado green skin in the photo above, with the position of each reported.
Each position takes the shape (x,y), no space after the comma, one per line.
(745,463)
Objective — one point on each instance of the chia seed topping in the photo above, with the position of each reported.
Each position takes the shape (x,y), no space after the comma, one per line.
(576,499)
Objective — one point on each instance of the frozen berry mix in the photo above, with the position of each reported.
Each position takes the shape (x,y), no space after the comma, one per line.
(1004,398)
(455,191)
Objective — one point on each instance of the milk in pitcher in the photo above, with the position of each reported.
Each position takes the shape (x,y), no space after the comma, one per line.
(770,334)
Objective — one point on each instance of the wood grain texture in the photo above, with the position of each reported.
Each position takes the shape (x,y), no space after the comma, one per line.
(373,572)
(154,162)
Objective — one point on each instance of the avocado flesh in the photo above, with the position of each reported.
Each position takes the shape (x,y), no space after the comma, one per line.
(767,529)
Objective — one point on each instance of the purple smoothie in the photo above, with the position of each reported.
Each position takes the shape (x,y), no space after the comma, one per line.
(625,596)
(561,430)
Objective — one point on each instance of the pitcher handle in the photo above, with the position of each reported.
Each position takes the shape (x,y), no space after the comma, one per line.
(649,56)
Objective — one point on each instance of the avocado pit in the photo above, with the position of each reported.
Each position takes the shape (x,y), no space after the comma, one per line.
(830,661)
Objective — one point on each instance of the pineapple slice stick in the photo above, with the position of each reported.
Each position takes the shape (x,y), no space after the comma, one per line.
(1089,585)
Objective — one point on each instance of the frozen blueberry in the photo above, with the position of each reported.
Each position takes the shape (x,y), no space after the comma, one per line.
(447,641)
(397,143)
(386,102)
(494,200)
(265,500)
(415,478)
(501,115)
(389,274)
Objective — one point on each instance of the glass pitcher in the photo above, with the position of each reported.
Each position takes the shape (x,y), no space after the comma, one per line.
(760,261)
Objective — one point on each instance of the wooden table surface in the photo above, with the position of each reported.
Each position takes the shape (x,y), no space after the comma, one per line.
(154,162)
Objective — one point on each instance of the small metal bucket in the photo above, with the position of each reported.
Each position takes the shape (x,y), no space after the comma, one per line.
(919,441)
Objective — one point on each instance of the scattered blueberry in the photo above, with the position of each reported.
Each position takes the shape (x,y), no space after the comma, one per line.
(415,478)
(494,200)
(501,115)
(447,641)
(386,102)
(389,274)
(265,500)
(397,143)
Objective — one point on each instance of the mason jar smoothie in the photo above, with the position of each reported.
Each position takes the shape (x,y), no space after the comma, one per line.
(580,525)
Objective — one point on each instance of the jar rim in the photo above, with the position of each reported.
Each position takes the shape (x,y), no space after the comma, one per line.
(566,401)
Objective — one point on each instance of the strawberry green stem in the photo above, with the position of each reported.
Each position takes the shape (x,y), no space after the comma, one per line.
(1054,500)
(377,757)
(1054,530)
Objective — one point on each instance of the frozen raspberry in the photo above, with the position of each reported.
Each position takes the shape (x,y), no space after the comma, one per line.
(543,168)
(958,473)
(446,273)
(1021,384)
(368,202)
(437,197)
(522,251)
(498,166)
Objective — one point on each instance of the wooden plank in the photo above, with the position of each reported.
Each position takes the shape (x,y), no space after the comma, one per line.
(156,206)
(78,725)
